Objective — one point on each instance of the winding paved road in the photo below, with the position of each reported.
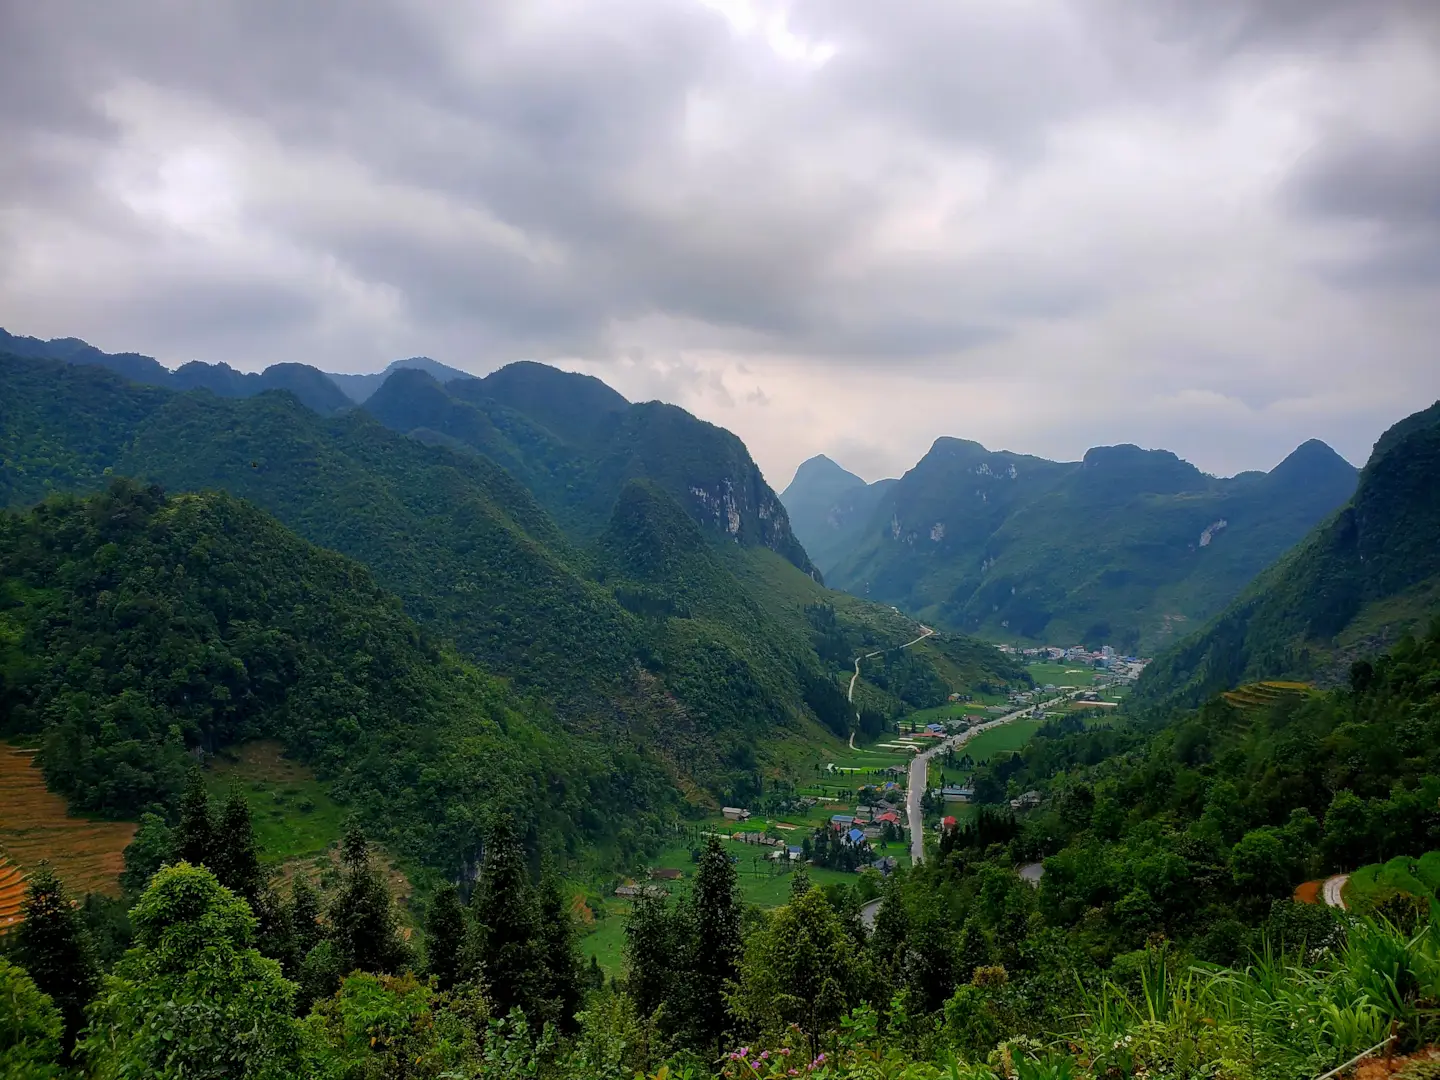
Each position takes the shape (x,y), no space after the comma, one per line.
(1330,891)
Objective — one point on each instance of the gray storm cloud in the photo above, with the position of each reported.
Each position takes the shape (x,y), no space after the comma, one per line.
(839,226)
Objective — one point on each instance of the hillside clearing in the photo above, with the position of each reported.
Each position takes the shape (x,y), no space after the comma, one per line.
(294,815)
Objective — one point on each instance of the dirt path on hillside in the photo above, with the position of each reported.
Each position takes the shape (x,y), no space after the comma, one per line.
(871,656)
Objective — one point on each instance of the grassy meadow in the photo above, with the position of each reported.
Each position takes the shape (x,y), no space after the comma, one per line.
(1373,884)
(1061,674)
(294,815)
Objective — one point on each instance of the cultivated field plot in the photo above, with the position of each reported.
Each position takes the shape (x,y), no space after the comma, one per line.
(761,882)
(1264,694)
(1061,674)
(954,710)
(35,825)
(1005,739)
(12,895)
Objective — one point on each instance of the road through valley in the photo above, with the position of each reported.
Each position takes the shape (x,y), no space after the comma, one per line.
(919,767)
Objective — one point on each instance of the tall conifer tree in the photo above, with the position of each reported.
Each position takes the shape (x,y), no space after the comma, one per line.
(505,915)
(653,942)
(446,938)
(195,834)
(563,991)
(53,945)
(236,858)
(363,923)
(716,944)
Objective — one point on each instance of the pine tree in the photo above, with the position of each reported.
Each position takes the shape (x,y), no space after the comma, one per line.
(363,924)
(562,991)
(505,916)
(53,945)
(715,945)
(304,912)
(195,834)
(236,859)
(446,938)
(653,941)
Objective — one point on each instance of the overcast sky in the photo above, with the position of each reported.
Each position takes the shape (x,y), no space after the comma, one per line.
(841,226)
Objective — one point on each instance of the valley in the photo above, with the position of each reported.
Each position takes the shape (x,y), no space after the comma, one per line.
(523,687)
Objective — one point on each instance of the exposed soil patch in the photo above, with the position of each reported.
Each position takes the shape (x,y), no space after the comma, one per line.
(1421,1065)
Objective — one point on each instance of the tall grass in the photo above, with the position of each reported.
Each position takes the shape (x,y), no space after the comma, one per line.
(1282,1015)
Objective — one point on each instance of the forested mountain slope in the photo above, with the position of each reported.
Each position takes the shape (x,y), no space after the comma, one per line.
(829,508)
(1196,823)
(1366,575)
(136,627)
(1126,547)
(475,558)
(576,443)
(358,388)
(310,385)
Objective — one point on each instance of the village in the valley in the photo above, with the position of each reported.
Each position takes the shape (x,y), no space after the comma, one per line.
(849,814)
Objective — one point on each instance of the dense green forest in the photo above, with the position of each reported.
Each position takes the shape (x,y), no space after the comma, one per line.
(137,630)
(575,443)
(1367,575)
(477,560)
(1126,547)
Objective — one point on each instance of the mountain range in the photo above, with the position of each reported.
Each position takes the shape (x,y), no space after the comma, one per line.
(624,566)
(317,390)
(358,388)
(1127,547)
(1363,578)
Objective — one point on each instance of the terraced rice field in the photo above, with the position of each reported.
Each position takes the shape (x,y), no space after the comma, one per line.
(1263,694)
(35,825)
(12,893)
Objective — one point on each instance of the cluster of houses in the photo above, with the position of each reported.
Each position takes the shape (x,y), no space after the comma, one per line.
(1119,669)
(861,826)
